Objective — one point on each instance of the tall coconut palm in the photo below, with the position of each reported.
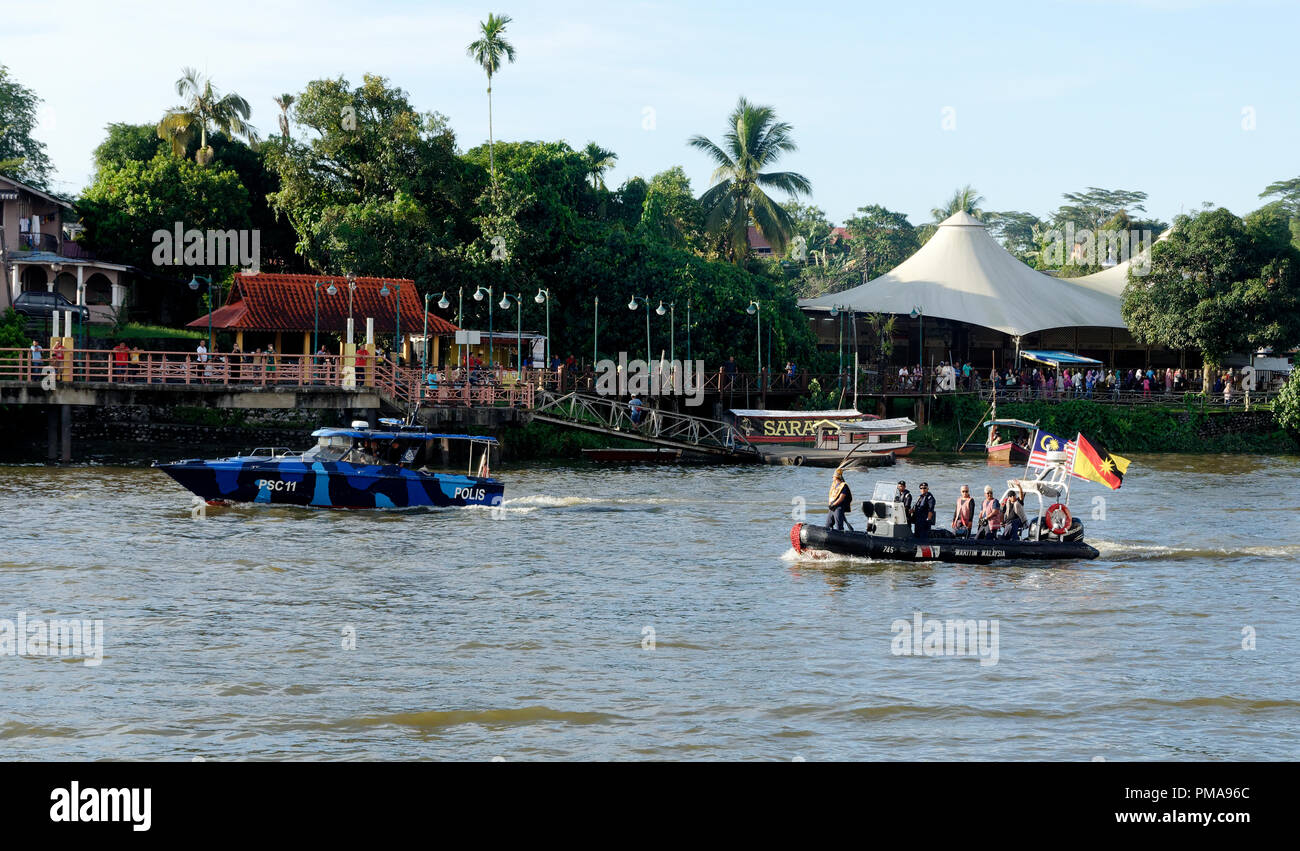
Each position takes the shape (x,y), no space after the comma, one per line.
(206,110)
(488,51)
(599,161)
(284,102)
(964,200)
(754,140)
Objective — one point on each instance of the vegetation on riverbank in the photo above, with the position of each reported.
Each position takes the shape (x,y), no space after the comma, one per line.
(1145,428)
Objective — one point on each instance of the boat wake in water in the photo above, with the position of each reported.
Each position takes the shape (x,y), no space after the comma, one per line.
(1119,551)
(583,503)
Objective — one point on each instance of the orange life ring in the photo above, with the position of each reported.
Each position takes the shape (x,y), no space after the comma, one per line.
(794,537)
(1053,515)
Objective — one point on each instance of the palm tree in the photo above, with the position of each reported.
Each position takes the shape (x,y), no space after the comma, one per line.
(754,140)
(488,52)
(207,110)
(599,161)
(284,102)
(964,200)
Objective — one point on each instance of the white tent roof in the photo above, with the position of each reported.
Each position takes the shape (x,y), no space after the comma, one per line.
(963,274)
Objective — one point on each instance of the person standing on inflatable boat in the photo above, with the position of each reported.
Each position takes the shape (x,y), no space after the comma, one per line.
(904,496)
(840,500)
(923,514)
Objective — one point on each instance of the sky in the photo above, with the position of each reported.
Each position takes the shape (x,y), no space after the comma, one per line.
(894,103)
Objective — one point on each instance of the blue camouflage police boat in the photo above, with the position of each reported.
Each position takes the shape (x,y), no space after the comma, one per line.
(355,467)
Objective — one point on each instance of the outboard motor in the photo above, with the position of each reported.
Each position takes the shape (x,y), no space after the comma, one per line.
(1074,533)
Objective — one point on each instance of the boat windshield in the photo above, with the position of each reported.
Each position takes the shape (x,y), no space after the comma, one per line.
(329,449)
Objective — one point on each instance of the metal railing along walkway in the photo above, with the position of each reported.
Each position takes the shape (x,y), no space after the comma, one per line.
(612,417)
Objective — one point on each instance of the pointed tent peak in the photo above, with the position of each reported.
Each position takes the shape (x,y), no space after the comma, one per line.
(961,219)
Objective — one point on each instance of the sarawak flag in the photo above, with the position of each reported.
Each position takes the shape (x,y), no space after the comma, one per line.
(1093,462)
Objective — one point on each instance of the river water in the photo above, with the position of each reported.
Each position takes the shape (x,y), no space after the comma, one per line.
(649,613)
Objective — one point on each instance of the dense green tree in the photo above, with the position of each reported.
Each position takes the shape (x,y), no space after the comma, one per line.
(881,239)
(1287,406)
(1286,194)
(138,143)
(1093,207)
(126,143)
(206,110)
(22,156)
(128,202)
(1219,284)
(1091,215)
(13,330)
(488,50)
(370,153)
(671,213)
(821,245)
(1017,231)
(755,140)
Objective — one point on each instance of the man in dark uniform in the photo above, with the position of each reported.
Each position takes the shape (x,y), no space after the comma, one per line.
(904,496)
(923,515)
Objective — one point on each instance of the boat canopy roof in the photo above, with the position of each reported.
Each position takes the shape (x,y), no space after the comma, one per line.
(896,424)
(1012,423)
(368,434)
(1057,358)
(841,414)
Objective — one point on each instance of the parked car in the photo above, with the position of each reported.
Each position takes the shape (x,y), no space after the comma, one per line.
(38,305)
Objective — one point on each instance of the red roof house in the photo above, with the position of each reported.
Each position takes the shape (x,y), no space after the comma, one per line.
(278,304)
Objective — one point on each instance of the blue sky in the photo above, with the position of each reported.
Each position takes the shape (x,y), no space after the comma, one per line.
(1188,100)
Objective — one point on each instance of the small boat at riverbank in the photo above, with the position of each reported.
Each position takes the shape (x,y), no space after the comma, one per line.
(788,428)
(1052,534)
(1009,449)
(356,467)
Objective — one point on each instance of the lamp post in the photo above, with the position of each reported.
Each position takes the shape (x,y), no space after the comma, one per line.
(544,297)
(424,348)
(918,313)
(209,284)
(839,349)
(671,310)
(352,288)
(753,310)
(519,328)
(595,331)
(632,305)
(315,328)
(397,333)
(688,330)
(478,296)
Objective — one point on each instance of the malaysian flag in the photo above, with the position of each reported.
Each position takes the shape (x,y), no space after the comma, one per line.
(1045,442)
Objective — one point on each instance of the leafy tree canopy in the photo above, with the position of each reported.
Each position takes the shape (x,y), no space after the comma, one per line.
(127,202)
(22,156)
(1219,284)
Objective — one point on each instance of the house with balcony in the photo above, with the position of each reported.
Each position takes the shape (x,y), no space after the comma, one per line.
(40,255)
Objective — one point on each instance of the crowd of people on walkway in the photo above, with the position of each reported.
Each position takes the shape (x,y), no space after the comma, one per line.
(1072,382)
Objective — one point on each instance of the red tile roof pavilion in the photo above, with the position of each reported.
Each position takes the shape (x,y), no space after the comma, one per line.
(274,302)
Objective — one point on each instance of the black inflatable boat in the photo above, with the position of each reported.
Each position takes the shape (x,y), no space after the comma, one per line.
(939,546)
(1051,534)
